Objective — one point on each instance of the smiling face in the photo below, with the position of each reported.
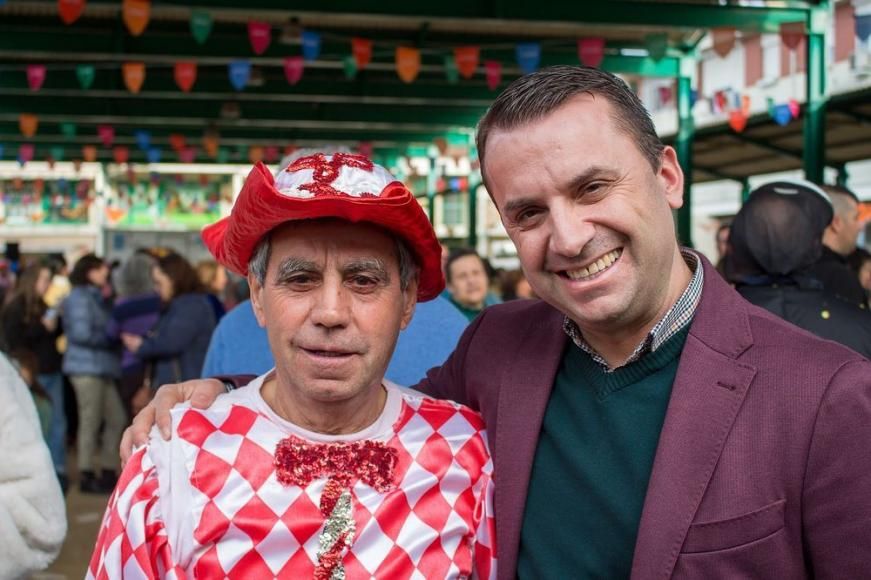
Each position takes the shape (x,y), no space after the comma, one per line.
(591,219)
(332,307)
(468,281)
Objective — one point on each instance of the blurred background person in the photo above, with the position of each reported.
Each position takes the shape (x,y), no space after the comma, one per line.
(776,239)
(60,286)
(7,281)
(722,247)
(93,362)
(213,278)
(860,263)
(30,326)
(33,520)
(515,286)
(176,347)
(136,311)
(468,284)
(839,241)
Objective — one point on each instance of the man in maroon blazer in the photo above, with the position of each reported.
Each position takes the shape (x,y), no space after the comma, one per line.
(645,420)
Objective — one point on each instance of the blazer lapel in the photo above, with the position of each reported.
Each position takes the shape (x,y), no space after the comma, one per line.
(707,394)
(524,391)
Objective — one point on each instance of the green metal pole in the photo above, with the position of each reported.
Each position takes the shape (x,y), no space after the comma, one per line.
(473,215)
(684,148)
(431,180)
(745,190)
(843,176)
(815,110)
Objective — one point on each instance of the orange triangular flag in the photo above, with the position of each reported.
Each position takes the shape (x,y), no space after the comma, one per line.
(28,122)
(407,63)
(134,75)
(136,14)
(467,58)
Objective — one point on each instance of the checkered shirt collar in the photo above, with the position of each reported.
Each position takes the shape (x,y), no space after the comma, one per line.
(674,320)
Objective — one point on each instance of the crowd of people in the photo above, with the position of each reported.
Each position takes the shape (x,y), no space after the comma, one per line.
(645,415)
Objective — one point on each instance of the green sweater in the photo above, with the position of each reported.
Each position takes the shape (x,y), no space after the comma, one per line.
(592,465)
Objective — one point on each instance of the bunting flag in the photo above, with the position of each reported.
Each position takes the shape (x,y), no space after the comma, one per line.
(745,105)
(270,154)
(724,41)
(863,26)
(694,96)
(657,45)
(134,76)
(153,155)
(528,56)
(35,76)
(782,115)
(738,121)
(211,140)
(177,142)
(311,45)
(794,108)
(441,144)
(791,34)
(70,10)
(201,25)
(255,154)
(223,155)
(106,133)
(143,139)
(467,58)
(1,150)
(28,123)
(136,14)
(187,155)
(365,149)
(68,130)
(89,153)
(185,74)
(361,49)
(591,51)
(493,72)
(293,68)
(769,104)
(721,101)
(349,64)
(452,73)
(407,63)
(57,153)
(25,153)
(120,154)
(259,35)
(239,72)
(665,95)
(86,74)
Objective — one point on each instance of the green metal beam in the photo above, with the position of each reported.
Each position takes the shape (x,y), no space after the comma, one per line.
(815,110)
(684,148)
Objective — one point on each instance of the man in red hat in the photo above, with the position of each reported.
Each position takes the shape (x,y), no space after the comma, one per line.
(319,468)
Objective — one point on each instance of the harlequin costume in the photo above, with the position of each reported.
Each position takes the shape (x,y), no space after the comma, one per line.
(239,492)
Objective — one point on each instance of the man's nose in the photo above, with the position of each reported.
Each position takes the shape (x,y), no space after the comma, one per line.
(570,231)
(332,304)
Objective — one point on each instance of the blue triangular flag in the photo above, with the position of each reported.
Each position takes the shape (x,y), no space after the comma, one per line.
(782,115)
(528,56)
(153,155)
(863,27)
(311,45)
(240,72)
(143,139)
(694,96)
(1,151)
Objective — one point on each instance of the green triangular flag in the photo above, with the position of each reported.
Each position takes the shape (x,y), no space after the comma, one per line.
(86,74)
(68,130)
(201,25)
(451,72)
(657,45)
(769,103)
(223,155)
(350,64)
(57,153)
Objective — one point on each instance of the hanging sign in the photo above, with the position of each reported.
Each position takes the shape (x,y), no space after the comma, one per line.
(452,74)
(28,123)
(35,76)
(361,49)
(134,76)
(259,35)
(86,74)
(239,72)
(185,74)
(591,51)
(724,40)
(467,58)
(201,25)
(70,10)
(528,56)
(293,67)
(136,14)
(407,63)
(311,45)
(493,72)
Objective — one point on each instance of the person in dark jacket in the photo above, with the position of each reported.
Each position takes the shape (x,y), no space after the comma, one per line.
(29,325)
(775,240)
(93,363)
(176,347)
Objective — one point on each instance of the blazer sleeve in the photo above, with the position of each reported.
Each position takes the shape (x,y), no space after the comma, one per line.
(836,499)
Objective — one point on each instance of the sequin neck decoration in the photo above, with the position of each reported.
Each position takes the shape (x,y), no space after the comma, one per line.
(299,462)
(325,172)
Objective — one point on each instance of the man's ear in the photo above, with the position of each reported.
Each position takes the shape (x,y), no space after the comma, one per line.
(671,177)
(257,299)
(409,301)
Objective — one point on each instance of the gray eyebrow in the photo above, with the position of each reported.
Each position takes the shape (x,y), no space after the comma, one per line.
(372,265)
(291,266)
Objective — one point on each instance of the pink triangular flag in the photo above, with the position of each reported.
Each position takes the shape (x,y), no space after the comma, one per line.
(493,70)
(260,35)
(293,67)
(35,76)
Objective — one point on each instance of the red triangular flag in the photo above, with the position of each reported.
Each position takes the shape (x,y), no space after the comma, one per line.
(361,48)
(493,69)
(177,142)
(591,51)
(467,58)
(70,10)
(260,35)
(185,74)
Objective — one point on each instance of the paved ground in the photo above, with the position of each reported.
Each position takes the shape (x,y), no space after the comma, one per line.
(84,512)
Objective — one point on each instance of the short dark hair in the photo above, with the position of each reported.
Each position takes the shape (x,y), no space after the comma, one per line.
(179,270)
(83,267)
(458,253)
(536,95)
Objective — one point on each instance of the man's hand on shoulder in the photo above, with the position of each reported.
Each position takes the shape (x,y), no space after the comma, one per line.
(200,392)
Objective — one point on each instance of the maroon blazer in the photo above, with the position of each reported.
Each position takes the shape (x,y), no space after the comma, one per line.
(763,467)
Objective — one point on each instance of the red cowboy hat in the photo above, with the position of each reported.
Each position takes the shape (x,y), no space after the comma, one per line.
(341,185)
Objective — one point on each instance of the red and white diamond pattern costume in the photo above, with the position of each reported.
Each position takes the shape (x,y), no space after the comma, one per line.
(208,504)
